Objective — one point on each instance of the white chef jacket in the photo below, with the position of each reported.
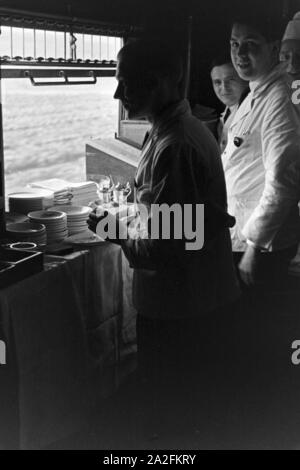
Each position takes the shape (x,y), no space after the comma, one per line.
(263,173)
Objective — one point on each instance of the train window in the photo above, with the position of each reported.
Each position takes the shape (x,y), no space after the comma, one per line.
(45,126)
(56,85)
(45,129)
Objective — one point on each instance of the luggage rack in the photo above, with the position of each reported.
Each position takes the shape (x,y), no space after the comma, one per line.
(41,67)
(72,55)
(52,62)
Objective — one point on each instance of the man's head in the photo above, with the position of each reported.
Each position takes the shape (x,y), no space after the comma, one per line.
(227,84)
(149,75)
(290,47)
(254,47)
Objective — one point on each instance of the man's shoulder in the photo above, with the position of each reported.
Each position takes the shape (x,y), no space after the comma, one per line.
(279,102)
(189,139)
(189,131)
(275,101)
(279,89)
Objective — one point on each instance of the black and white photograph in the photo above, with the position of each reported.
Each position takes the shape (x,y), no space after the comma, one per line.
(149,227)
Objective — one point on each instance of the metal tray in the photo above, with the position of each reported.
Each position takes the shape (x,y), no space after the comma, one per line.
(16,265)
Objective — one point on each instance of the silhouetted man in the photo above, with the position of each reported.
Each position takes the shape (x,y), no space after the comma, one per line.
(177,291)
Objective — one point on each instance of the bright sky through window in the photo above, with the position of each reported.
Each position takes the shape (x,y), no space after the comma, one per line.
(20,42)
(46,128)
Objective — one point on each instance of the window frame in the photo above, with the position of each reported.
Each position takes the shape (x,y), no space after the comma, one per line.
(33,69)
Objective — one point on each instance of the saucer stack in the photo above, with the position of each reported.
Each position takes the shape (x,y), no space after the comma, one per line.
(27,232)
(28,200)
(76,217)
(55,223)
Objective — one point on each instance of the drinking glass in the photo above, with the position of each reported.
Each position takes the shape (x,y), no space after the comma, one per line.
(121,193)
(104,185)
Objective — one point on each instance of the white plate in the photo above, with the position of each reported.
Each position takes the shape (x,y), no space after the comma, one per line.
(54,228)
(73,232)
(25,227)
(73,211)
(31,194)
(77,224)
(76,220)
(85,238)
(57,224)
(57,234)
(47,215)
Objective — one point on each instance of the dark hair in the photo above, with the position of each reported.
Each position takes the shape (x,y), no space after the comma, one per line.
(221,59)
(269,27)
(154,57)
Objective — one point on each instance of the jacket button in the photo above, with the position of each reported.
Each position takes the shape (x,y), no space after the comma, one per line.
(237,141)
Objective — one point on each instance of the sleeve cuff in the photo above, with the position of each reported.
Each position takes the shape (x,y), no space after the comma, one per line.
(253,245)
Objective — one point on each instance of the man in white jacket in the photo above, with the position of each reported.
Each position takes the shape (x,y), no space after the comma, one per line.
(262,171)
(290,57)
(290,47)
(262,157)
(230,89)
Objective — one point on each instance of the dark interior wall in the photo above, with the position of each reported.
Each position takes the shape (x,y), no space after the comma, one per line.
(138,12)
(162,13)
(212,26)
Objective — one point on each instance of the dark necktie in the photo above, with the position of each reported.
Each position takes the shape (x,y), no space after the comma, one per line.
(226,115)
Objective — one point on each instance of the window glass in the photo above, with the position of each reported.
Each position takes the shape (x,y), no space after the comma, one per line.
(17,42)
(45,129)
(28,43)
(40,43)
(5,42)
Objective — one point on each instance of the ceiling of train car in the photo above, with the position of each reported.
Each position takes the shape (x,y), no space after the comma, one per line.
(142,12)
(123,11)
(210,19)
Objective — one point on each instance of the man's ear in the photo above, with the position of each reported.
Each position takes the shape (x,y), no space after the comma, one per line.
(151,82)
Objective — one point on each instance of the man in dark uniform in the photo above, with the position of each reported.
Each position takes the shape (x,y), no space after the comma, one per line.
(178,288)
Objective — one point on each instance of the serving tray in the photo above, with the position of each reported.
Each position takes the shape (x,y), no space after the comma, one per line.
(16,265)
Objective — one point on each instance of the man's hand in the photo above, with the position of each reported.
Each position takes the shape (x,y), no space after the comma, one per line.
(113,228)
(94,218)
(248,265)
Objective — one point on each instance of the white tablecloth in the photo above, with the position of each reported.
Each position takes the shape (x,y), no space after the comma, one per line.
(70,336)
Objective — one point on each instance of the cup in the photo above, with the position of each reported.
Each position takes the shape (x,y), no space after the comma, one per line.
(104,185)
(23,246)
(105,195)
(121,193)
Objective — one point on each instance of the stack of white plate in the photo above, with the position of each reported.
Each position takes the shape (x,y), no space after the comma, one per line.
(27,232)
(76,217)
(82,193)
(55,223)
(28,200)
